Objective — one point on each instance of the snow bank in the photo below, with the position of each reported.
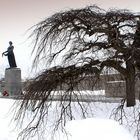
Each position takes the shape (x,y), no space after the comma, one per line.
(97,129)
(87,129)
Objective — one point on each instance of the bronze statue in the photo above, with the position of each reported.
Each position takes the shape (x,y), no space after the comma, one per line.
(10,54)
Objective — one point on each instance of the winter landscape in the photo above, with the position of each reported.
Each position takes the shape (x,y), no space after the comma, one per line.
(70,70)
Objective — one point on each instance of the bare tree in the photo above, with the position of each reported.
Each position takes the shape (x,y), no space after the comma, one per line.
(87,41)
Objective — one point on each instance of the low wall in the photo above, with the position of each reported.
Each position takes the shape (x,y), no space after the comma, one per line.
(113,84)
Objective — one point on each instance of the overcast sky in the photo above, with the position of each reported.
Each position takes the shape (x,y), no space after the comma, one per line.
(17,16)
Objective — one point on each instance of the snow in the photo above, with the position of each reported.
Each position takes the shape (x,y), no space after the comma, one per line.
(98,128)
(6,127)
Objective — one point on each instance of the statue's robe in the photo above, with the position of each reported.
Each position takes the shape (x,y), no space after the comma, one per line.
(11,57)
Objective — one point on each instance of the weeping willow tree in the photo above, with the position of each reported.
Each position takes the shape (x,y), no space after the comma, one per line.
(73,45)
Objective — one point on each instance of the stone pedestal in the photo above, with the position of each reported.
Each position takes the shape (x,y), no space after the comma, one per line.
(13,84)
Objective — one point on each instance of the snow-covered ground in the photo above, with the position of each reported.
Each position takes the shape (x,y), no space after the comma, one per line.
(97,128)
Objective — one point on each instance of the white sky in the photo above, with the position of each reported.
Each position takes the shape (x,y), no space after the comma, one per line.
(19,15)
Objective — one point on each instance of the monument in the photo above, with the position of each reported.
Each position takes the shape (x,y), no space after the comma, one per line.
(10,54)
(12,82)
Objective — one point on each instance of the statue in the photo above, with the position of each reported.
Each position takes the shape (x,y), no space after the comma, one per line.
(10,54)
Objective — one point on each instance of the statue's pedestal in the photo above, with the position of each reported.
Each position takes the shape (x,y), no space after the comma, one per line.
(13,84)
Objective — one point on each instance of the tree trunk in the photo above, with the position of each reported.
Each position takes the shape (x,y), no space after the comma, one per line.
(130,84)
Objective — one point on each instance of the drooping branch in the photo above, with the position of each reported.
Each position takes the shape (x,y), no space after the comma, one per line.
(61,27)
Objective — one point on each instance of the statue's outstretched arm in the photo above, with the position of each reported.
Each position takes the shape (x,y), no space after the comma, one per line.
(5,53)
